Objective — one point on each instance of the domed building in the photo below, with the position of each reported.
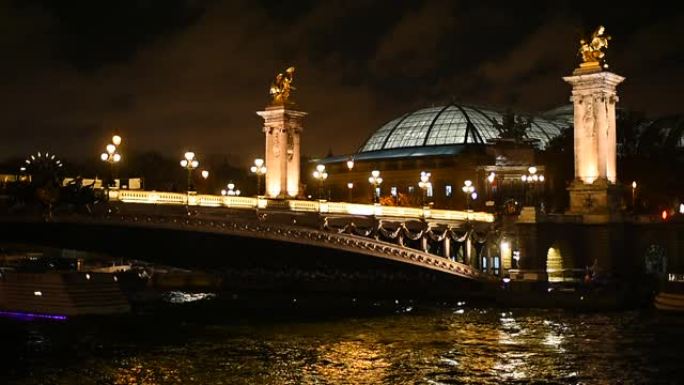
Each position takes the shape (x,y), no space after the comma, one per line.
(454,143)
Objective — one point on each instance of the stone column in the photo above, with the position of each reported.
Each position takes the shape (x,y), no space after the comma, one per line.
(282,128)
(594,193)
(594,97)
(293,163)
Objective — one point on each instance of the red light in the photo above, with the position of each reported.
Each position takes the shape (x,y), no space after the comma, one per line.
(664,214)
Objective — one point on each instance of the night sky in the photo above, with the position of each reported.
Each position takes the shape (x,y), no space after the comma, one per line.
(172,74)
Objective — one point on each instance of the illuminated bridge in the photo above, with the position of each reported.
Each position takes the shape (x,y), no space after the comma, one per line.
(279,244)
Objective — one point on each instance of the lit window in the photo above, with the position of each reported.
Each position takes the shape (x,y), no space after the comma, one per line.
(38,293)
(429,190)
(447,190)
(411,189)
(393,191)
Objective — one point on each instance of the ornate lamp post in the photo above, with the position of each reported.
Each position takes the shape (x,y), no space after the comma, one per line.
(259,169)
(350,185)
(321,176)
(190,163)
(112,157)
(425,184)
(490,187)
(375,180)
(532,178)
(469,191)
(231,191)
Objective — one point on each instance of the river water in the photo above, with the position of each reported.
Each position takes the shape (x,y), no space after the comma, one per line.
(406,344)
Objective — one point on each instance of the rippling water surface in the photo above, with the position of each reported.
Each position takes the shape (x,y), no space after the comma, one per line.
(423,346)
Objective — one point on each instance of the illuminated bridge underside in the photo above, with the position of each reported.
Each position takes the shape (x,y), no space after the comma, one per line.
(279,233)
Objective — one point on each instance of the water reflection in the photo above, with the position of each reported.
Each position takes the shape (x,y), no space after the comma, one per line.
(472,346)
(356,362)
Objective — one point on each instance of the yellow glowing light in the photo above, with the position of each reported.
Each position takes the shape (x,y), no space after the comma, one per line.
(350,164)
(116,139)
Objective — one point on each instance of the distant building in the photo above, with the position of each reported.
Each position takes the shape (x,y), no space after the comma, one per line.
(454,143)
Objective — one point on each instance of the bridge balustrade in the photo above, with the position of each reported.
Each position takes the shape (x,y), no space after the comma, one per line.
(205,200)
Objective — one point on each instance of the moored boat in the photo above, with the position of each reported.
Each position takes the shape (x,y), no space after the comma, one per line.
(671,298)
(61,293)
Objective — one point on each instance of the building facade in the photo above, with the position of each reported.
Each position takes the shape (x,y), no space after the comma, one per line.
(454,144)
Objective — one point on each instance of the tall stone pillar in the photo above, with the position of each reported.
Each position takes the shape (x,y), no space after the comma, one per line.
(293,165)
(594,97)
(282,127)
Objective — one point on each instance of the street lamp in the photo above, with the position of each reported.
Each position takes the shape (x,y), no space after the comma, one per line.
(634,186)
(469,191)
(350,185)
(112,157)
(375,180)
(321,176)
(491,178)
(425,184)
(532,178)
(259,169)
(350,164)
(189,163)
(231,191)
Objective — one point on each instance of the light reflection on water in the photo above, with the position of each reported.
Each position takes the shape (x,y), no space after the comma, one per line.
(477,346)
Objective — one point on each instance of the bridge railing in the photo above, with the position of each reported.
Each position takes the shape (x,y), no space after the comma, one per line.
(206,200)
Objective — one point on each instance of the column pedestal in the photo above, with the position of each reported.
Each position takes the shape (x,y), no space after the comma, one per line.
(598,202)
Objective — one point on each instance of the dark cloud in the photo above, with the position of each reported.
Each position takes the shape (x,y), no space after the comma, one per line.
(174,75)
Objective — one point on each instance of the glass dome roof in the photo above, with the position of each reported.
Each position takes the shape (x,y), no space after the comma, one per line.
(451,125)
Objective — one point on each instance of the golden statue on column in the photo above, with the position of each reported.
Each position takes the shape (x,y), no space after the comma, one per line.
(282,130)
(282,87)
(593,51)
